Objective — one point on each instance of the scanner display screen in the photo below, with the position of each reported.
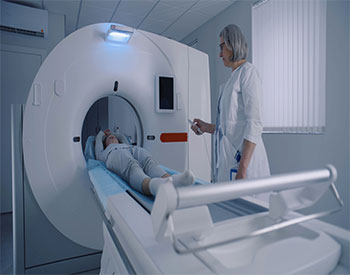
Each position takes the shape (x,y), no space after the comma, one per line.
(166,93)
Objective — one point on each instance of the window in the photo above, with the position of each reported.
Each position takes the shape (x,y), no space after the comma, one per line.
(289,50)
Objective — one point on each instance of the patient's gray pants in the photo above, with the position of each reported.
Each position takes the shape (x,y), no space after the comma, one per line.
(133,165)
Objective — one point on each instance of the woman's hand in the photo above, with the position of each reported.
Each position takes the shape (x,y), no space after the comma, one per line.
(198,126)
(204,127)
(247,152)
(241,174)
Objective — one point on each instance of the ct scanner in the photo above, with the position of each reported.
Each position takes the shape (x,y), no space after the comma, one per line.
(79,71)
(187,230)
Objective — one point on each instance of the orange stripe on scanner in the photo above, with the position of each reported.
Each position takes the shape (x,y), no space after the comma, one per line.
(173,137)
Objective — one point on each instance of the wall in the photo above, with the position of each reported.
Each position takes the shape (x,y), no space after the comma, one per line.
(56,29)
(21,58)
(294,152)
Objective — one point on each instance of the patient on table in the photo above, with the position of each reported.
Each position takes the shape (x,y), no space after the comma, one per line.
(135,165)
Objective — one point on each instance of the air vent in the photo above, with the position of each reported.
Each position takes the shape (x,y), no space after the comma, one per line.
(23,20)
(21,31)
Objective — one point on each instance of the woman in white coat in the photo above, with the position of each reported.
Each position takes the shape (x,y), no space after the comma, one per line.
(239,151)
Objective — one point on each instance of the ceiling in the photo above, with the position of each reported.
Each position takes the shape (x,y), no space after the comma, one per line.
(171,18)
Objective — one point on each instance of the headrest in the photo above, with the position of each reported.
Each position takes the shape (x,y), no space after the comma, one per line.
(99,144)
(89,151)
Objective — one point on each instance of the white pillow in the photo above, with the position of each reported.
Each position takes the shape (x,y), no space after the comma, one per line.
(99,145)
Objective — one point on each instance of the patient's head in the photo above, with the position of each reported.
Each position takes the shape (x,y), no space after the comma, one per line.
(109,139)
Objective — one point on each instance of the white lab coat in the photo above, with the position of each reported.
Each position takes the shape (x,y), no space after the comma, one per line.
(238,118)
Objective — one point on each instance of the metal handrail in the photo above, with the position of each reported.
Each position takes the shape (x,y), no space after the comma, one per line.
(261,231)
(258,232)
(211,193)
(180,250)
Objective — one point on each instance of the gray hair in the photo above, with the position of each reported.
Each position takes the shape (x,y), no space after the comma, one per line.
(235,41)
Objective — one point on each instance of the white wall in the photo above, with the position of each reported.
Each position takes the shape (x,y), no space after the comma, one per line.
(295,152)
(21,58)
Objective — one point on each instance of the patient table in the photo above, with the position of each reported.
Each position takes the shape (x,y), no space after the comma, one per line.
(202,238)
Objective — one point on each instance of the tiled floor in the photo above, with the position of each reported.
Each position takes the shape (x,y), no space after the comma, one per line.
(6,244)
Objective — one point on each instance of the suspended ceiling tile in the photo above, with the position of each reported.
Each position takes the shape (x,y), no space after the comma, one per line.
(154,26)
(69,8)
(181,4)
(103,4)
(133,11)
(165,12)
(211,7)
(141,7)
(172,18)
(91,14)
(180,29)
(128,20)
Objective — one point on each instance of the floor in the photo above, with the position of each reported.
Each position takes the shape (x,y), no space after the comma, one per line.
(6,260)
(6,244)
(6,263)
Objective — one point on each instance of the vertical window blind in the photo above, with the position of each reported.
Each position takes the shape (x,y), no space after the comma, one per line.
(289,51)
